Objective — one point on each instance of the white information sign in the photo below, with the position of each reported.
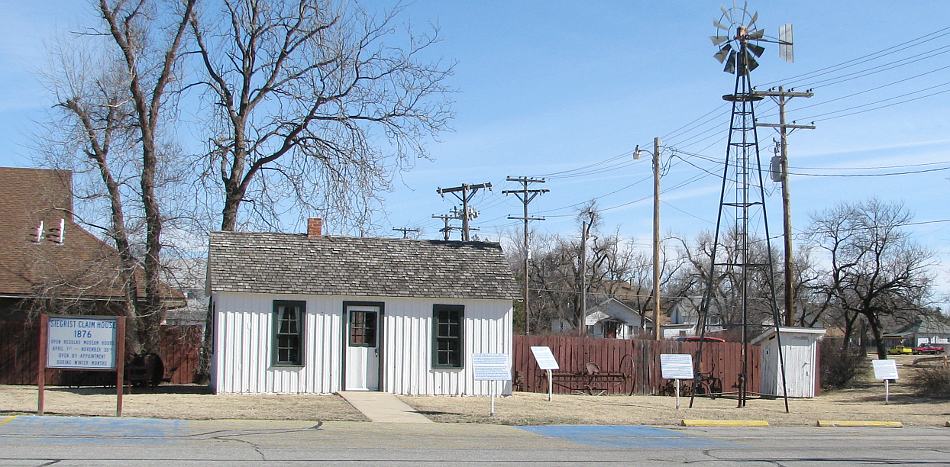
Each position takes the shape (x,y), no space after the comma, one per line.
(491,367)
(676,366)
(88,343)
(885,369)
(544,357)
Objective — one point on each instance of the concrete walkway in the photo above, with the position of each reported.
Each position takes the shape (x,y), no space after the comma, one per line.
(383,407)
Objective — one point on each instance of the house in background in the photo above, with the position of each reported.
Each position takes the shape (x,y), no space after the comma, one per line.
(610,319)
(684,318)
(926,330)
(308,313)
(50,264)
(49,260)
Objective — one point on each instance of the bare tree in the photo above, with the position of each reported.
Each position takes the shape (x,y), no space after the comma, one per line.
(313,105)
(96,123)
(726,294)
(875,271)
(640,278)
(113,107)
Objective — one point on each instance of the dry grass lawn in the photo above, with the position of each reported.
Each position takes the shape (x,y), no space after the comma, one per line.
(865,401)
(182,402)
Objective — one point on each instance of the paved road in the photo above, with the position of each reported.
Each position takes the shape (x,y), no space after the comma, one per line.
(67,441)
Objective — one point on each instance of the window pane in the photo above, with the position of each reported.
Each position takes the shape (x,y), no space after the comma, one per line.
(447,339)
(282,326)
(292,321)
(288,342)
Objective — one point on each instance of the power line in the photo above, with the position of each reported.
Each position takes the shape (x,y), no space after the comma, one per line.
(878,69)
(867,57)
(892,104)
(871,89)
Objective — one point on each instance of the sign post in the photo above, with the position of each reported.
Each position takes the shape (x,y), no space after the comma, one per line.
(547,362)
(491,367)
(886,370)
(41,375)
(92,343)
(676,367)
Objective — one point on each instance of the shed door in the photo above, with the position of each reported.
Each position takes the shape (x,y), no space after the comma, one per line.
(362,348)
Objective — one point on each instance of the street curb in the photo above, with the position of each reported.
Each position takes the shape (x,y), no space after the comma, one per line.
(9,419)
(752,423)
(860,423)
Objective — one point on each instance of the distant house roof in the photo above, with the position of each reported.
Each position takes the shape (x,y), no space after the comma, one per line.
(81,266)
(925,324)
(686,310)
(612,308)
(280,263)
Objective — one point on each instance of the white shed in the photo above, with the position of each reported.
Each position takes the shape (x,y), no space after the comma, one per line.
(307,313)
(800,349)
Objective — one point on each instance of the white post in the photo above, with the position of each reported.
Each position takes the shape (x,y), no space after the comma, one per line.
(550,385)
(887,390)
(492,391)
(676,382)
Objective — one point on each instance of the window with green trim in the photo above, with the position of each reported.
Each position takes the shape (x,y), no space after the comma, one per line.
(288,333)
(448,329)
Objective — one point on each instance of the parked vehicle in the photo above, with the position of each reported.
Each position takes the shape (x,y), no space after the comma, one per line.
(900,350)
(928,350)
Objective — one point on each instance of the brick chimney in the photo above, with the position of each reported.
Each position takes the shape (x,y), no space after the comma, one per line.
(314,227)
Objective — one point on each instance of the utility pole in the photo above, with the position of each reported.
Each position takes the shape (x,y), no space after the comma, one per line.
(526,196)
(656,238)
(446,218)
(405,231)
(585,231)
(467,192)
(780,97)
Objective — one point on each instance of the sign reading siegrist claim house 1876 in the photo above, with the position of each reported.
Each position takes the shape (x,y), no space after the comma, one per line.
(88,343)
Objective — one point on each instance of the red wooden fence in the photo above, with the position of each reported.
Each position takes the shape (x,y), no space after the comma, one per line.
(639,359)
(178,346)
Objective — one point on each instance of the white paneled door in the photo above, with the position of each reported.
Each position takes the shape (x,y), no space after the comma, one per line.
(362,348)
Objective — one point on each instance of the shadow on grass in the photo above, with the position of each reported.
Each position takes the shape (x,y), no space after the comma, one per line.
(161,389)
(439,413)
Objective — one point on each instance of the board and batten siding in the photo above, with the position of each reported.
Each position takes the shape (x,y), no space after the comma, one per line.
(801,366)
(243,342)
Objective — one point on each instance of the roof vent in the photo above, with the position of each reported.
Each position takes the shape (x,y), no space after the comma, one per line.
(38,235)
(57,234)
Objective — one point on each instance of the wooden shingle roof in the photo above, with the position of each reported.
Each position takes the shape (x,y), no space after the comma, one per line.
(277,263)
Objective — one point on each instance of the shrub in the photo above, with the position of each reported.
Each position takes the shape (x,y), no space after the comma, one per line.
(932,382)
(839,367)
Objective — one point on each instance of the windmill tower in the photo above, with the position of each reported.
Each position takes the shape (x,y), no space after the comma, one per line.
(742,198)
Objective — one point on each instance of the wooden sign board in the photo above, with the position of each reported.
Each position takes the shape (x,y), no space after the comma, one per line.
(544,357)
(86,343)
(676,366)
(885,369)
(491,367)
(81,343)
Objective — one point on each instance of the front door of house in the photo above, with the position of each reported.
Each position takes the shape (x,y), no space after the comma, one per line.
(362,348)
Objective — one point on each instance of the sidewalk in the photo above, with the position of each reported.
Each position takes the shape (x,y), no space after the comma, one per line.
(383,407)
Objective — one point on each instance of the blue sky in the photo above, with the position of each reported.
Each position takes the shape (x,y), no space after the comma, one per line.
(546,87)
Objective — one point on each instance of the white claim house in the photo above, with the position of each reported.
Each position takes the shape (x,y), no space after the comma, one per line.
(308,313)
